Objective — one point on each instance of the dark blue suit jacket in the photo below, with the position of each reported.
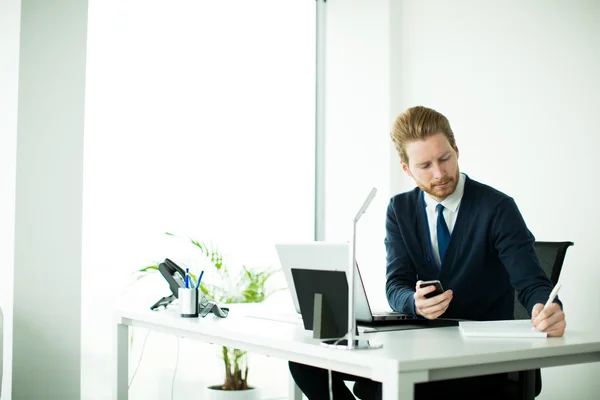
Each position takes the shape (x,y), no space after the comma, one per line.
(490,255)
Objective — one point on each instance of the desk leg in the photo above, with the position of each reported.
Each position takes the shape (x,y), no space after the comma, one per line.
(121,360)
(401,386)
(294,392)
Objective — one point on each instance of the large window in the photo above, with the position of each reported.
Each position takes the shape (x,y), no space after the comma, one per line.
(199,121)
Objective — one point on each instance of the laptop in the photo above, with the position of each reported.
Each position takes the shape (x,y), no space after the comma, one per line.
(332,256)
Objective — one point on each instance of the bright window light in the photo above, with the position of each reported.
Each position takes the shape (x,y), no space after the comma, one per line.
(199,121)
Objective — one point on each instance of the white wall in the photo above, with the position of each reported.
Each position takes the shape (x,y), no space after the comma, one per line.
(48,201)
(519,83)
(10,11)
(357,132)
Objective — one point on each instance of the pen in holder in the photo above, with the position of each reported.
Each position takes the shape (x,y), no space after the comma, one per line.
(188,302)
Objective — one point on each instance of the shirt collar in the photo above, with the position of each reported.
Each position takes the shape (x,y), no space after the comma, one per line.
(451,202)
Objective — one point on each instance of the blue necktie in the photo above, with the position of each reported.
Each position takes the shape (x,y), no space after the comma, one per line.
(443,234)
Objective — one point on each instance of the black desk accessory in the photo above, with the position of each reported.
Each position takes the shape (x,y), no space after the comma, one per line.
(163,302)
(175,276)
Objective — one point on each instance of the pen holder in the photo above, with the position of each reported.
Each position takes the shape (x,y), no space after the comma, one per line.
(188,302)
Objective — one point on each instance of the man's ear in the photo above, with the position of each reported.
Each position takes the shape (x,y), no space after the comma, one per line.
(456,150)
(406,169)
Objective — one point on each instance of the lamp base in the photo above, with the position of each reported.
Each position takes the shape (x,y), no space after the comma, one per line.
(358,344)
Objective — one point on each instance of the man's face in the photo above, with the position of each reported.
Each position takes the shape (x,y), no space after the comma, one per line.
(433,164)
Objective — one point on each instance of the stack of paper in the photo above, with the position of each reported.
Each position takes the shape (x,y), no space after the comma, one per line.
(505,329)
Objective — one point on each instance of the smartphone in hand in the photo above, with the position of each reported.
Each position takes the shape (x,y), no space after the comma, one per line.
(438,288)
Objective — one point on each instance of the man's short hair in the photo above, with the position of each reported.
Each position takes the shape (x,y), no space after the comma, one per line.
(419,123)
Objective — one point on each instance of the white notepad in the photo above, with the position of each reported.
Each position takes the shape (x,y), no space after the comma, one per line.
(501,329)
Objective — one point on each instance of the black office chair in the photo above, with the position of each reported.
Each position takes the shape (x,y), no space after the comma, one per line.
(551,256)
(523,385)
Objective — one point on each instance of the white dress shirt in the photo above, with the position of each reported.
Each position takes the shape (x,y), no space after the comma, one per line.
(451,205)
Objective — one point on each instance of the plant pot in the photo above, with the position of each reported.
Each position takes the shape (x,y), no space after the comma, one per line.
(216,393)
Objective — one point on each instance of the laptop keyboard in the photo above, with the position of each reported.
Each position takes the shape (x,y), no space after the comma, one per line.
(385,312)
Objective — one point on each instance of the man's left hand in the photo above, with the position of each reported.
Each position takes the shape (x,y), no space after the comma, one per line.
(550,320)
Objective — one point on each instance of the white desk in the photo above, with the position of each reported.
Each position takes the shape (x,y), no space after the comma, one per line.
(407,357)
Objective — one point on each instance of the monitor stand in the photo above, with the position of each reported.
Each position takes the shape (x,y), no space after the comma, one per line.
(358,344)
(323,326)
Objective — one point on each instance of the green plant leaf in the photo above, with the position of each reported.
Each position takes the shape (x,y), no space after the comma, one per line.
(149,268)
(248,286)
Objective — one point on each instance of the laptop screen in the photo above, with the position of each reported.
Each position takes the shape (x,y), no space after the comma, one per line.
(327,256)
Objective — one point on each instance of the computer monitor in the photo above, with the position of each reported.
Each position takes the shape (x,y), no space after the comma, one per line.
(323,300)
(317,255)
(331,256)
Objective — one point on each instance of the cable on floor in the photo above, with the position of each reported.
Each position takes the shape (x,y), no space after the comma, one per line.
(140,359)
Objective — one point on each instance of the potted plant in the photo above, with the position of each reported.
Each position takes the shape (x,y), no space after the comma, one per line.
(247,286)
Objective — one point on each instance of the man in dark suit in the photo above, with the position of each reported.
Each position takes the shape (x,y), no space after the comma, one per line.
(451,228)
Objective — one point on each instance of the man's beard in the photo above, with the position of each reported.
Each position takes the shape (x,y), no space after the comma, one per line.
(441,192)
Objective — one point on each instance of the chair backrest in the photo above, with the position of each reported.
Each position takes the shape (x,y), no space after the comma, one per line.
(552,257)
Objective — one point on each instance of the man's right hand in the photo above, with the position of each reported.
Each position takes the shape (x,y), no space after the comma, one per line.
(432,307)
